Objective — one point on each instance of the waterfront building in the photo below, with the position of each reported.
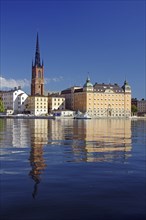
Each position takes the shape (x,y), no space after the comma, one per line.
(103,100)
(14,100)
(37,105)
(141,107)
(55,102)
(37,81)
(68,94)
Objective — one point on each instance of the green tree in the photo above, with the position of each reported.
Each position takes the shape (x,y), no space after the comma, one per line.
(133,109)
(2,109)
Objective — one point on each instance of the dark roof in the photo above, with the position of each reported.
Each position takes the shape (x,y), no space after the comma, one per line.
(102,87)
(78,90)
(66,91)
(70,90)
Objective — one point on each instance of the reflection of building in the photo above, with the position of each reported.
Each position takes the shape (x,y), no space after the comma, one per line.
(97,140)
(104,139)
(55,130)
(39,132)
(39,137)
(17,133)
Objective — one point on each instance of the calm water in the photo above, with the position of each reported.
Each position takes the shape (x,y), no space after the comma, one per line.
(72,169)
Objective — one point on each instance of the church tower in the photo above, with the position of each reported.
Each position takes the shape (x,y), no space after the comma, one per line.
(37,81)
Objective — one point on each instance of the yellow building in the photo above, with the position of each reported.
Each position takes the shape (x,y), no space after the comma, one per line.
(103,100)
(56,103)
(37,105)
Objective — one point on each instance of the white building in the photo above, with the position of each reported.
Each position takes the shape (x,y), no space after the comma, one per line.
(14,100)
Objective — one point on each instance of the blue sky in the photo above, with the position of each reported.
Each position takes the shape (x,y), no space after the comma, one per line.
(102,39)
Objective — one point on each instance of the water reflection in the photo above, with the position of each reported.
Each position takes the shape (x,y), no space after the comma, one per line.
(74,140)
(92,141)
(14,133)
(106,140)
(61,141)
(39,137)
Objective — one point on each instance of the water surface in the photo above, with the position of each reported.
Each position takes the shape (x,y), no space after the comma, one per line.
(72,169)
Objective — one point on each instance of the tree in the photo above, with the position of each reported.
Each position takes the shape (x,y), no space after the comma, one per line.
(133,109)
(2,109)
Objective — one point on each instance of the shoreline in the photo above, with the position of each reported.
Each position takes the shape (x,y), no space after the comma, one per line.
(67,117)
(26,117)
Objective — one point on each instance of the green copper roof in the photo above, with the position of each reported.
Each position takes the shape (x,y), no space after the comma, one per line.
(88,83)
(126,86)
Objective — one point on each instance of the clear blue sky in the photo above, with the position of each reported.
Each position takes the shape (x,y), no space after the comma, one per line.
(104,38)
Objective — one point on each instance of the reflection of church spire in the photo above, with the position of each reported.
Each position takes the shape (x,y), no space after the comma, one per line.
(38,164)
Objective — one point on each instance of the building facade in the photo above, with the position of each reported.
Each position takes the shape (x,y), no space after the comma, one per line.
(37,80)
(68,94)
(14,100)
(56,103)
(141,107)
(103,100)
(37,105)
